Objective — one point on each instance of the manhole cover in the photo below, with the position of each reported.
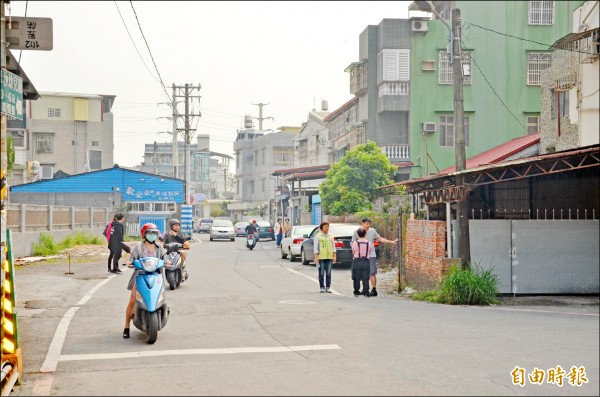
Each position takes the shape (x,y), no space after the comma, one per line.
(297,302)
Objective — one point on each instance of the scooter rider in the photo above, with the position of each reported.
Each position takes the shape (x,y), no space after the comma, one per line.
(174,235)
(252,228)
(147,248)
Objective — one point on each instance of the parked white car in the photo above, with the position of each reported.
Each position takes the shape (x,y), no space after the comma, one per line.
(290,245)
(222,228)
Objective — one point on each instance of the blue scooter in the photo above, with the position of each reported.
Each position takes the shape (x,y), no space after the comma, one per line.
(151,311)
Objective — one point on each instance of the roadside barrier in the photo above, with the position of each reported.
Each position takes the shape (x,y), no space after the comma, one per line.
(12,357)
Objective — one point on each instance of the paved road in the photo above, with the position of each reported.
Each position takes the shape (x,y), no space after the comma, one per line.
(250,323)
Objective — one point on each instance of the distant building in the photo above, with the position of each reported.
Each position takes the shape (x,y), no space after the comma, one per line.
(210,175)
(72,133)
(257,155)
(311,144)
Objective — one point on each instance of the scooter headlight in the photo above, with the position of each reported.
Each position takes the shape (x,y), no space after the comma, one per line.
(149,264)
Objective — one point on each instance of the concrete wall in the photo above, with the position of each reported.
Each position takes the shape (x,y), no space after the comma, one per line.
(23,242)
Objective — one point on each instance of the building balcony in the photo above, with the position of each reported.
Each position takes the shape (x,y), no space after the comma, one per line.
(396,152)
(358,77)
(395,88)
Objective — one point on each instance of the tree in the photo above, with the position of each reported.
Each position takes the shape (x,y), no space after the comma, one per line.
(351,184)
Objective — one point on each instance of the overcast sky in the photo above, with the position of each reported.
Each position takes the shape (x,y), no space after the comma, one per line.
(290,55)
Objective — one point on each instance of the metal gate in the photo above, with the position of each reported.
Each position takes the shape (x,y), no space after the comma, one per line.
(537,256)
(159,222)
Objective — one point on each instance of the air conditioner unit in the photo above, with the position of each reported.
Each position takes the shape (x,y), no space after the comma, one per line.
(419,26)
(428,128)
(46,172)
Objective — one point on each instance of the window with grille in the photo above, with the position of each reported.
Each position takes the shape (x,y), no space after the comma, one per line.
(283,156)
(533,124)
(536,62)
(95,160)
(44,143)
(447,130)
(54,112)
(446,74)
(19,139)
(560,104)
(541,13)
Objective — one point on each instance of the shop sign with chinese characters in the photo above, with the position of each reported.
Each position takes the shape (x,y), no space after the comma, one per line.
(12,95)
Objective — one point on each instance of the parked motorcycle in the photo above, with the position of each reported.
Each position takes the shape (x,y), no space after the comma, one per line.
(151,311)
(251,240)
(176,272)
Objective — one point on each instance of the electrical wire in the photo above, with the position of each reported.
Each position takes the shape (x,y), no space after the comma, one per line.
(21,52)
(520,38)
(150,52)
(133,42)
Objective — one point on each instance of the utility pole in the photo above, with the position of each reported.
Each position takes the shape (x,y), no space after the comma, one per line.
(260,115)
(462,205)
(175,136)
(154,159)
(188,89)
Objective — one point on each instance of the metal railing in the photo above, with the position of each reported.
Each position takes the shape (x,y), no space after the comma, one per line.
(35,218)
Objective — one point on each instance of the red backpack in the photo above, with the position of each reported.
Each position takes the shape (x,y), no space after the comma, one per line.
(107,231)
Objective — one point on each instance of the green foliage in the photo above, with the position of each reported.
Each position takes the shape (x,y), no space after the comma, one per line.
(351,184)
(48,246)
(215,212)
(464,287)
(10,153)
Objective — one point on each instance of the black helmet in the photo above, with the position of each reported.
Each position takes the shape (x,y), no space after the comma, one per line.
(174,222)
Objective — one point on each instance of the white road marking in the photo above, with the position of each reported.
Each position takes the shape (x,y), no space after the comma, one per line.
(314,280)
(187,352)
(60,334)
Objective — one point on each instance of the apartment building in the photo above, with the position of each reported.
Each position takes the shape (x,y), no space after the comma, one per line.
(504,52)
(570,98)
(257,155)
(62,132)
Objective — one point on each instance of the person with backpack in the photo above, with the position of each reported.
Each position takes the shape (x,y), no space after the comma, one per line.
(361,265)
(116,243)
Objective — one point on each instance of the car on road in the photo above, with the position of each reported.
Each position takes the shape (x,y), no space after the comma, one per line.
(265,230)
(290,245)
(222,228)
(240,228)
(203,225)
(342,235)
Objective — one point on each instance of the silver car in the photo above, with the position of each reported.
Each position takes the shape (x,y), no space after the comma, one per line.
(222,228)
(290,245)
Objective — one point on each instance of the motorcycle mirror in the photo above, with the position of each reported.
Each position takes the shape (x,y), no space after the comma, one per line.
(172,247)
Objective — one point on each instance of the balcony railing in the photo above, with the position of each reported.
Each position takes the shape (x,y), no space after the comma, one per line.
(394,88)
(396,152)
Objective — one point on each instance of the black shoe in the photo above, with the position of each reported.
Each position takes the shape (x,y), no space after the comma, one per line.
(126,333)
(118,271)
(356,293)
(374,292)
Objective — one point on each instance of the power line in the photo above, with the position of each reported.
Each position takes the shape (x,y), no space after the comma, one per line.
(496,93)
(531,41)
(133,42)
(150,52)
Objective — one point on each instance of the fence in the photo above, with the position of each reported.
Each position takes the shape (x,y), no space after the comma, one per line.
(28,221)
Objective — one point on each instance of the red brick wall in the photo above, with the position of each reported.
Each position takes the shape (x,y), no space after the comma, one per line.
(425,260)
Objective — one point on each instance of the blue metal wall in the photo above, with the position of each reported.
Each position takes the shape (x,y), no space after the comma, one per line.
(133,185)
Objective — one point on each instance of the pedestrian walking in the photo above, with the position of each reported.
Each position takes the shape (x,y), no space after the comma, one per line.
(361,251)
(116,243)
(287,227)
(372,236)
(325,255)
(278,232)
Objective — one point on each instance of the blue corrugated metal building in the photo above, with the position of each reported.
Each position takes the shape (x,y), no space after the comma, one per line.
(150,197)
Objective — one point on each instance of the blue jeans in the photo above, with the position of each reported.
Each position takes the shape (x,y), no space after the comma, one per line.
(279,238)
(325,268)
